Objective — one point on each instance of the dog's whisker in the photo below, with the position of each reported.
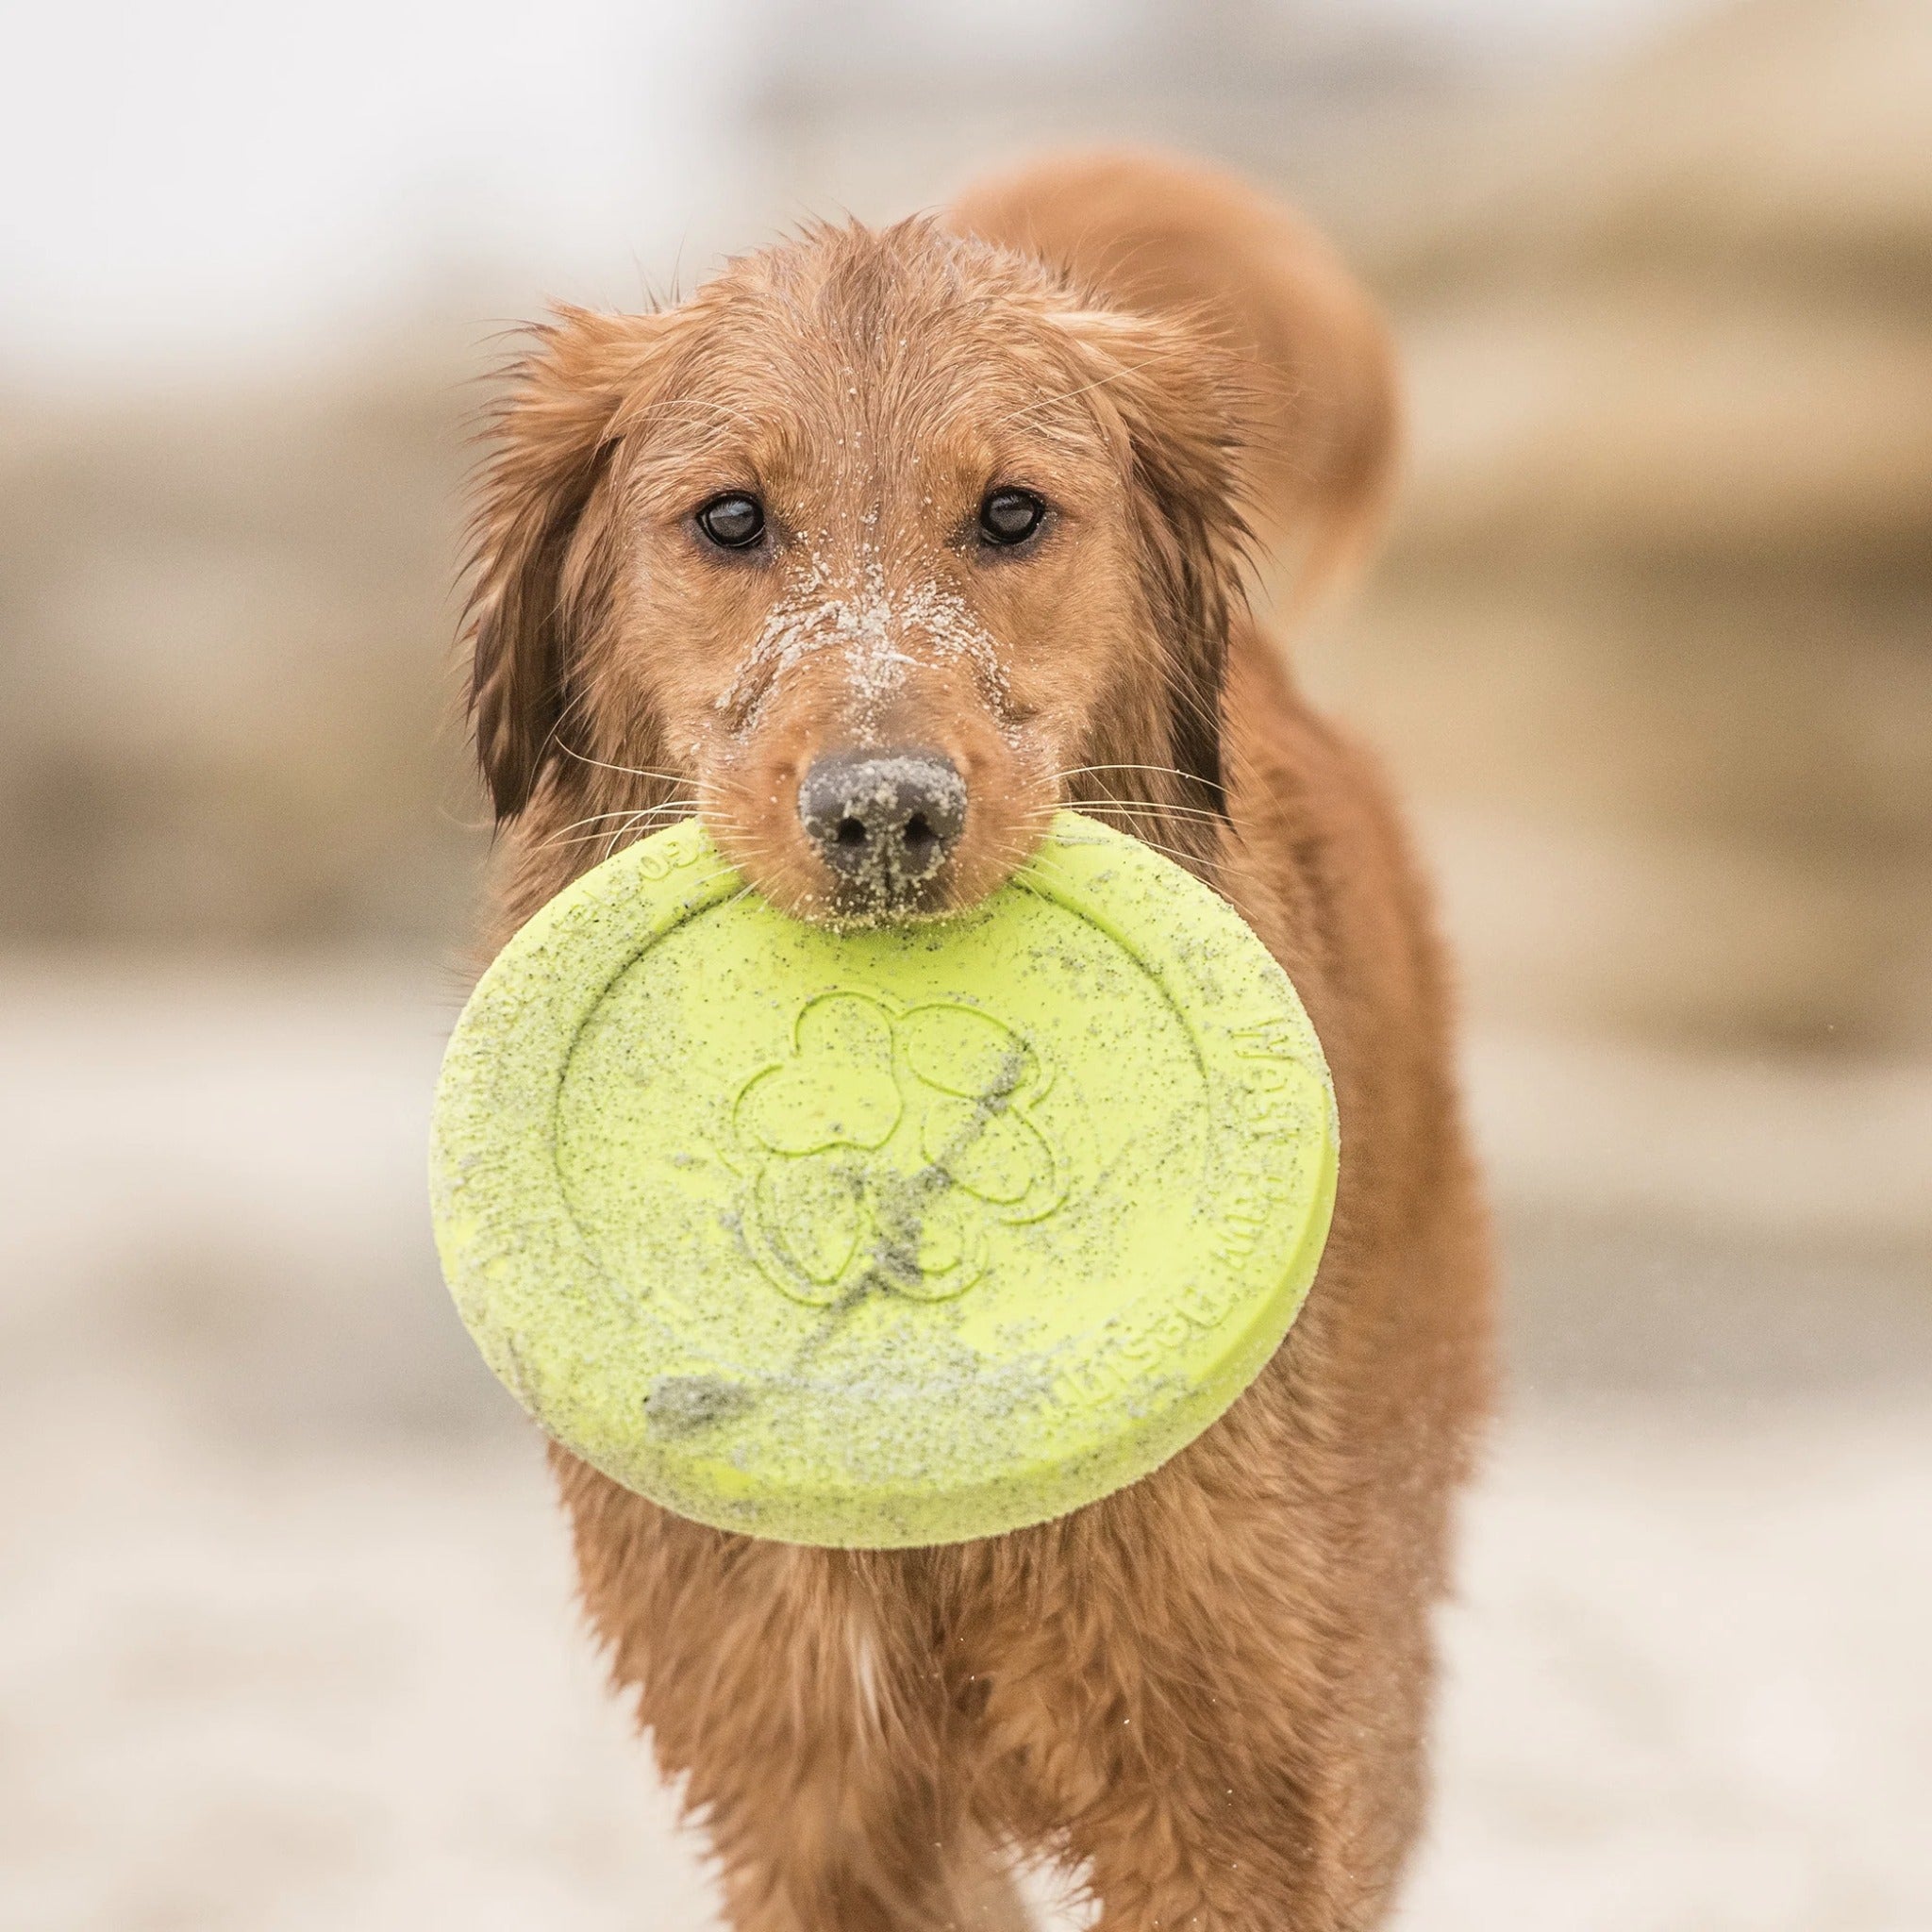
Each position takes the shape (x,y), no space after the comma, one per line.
(1152,813)
(1166,771)
(578,839)
(688,406)
(1134,805)
(585,838)
(710,878)
(1179,856)
(1197,861)
(634,771)
(636,816)
(1068,395)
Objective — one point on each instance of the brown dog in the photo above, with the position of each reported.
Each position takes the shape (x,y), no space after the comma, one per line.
(875,551)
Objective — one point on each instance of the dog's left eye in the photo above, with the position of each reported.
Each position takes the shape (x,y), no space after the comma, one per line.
(734,520)
(1010,516)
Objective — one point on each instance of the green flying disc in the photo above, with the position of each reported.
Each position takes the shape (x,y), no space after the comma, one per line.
(890,1237)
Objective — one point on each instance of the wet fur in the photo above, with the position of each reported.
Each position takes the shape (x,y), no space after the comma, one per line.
(1210,1690)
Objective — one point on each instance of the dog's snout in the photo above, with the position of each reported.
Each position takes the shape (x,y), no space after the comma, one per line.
(886,821)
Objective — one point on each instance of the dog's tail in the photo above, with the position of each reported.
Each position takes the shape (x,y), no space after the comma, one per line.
(1156,234)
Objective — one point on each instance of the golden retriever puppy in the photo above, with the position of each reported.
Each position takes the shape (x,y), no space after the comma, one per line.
(873,551)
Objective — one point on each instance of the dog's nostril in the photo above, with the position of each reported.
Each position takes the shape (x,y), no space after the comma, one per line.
(886,821)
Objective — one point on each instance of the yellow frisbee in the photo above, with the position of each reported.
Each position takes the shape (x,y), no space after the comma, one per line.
(892,1236)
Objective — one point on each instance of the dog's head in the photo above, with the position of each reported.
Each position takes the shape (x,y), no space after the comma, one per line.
(874,549)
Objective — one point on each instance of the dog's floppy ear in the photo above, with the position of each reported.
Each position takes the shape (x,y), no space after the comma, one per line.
(1173,399)
(535,588)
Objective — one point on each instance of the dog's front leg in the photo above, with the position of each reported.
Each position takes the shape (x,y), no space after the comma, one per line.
(795,1692)
(1188,1697)
(1202,1802)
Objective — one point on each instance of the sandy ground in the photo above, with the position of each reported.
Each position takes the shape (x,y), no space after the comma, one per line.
(286,1640)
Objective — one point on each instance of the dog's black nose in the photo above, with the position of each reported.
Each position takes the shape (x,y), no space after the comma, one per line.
(885,820)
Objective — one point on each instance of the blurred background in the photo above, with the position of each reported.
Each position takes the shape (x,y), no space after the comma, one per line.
(286,1638)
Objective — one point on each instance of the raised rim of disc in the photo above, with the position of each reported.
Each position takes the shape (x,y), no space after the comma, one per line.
(584,1351)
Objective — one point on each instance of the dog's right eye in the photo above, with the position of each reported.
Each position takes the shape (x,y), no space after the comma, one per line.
(733,520)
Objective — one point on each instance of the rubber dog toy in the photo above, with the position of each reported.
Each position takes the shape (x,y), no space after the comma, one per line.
(889,1237)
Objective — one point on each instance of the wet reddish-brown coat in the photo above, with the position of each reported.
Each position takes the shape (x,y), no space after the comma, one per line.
(1210,1689)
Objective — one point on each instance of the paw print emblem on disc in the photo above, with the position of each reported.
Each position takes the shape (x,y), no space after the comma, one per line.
(879,1153)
